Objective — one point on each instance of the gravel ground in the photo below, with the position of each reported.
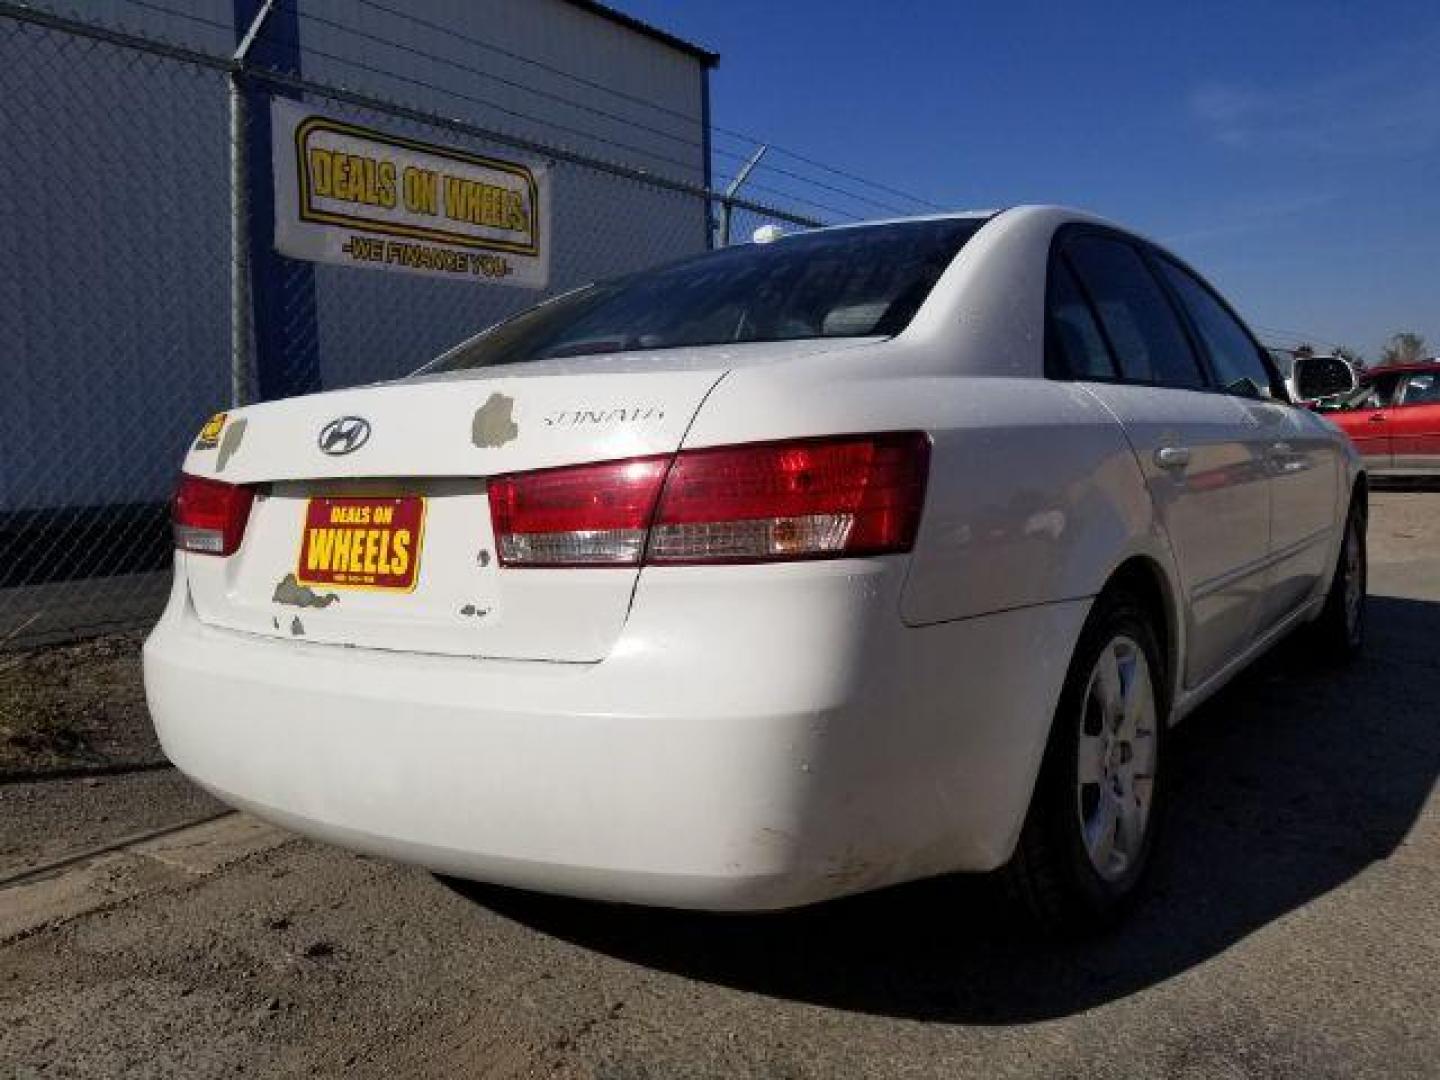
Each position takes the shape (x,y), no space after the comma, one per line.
(79,706)
(47,821)
(1293,930)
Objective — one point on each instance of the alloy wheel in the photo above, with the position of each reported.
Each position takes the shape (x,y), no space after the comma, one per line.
(1116,767)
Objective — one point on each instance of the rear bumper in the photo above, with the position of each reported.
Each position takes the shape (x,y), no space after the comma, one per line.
(798,744)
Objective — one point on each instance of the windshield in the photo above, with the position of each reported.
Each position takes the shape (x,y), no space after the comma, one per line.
(865,281)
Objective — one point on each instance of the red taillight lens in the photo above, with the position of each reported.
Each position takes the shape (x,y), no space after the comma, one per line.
(585,515)
(813,498)
(798,500)
(209,516)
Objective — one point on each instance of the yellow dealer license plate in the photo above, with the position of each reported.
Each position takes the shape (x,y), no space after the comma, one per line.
(362,542)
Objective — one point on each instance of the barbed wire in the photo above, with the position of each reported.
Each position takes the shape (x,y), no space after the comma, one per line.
(752,140)
(616,117)
(547,95)
(518,114)
(187,16)
(840,172)
(489,76)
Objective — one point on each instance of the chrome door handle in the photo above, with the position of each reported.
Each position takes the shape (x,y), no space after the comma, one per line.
(1172,457)
(1378,418)
(1281,449)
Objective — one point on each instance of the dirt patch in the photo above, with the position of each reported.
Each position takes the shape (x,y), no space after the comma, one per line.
(81,704)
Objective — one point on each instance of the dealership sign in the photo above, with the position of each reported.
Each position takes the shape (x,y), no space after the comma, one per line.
(352,195)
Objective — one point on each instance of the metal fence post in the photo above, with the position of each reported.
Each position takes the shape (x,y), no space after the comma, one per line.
(727,203)
(240,342)
(239,251)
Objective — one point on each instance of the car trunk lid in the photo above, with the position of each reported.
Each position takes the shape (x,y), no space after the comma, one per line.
(371,525)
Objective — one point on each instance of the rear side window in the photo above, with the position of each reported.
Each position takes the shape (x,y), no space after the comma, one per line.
(1234,356)
(1138,319)
(1421,390)
(1077,339)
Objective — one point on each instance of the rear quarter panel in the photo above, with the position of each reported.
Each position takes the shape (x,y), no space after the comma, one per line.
(1034,497)
(1034,494)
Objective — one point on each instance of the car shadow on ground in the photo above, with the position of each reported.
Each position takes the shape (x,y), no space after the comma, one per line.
(1290,783)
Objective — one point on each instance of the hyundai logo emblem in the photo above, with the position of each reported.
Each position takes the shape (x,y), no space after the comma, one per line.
(344,435)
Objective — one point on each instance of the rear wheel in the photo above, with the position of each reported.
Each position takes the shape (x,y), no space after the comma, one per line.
(1340,630)
(1092,823)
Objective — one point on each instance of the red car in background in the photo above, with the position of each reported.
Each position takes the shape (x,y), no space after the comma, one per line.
(1393,418)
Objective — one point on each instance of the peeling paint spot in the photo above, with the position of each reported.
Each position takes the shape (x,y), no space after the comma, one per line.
(229,444)
(494,424)
(483,558)
(289,591)
(475,611)
(468,609)
(275,622)
(297,628)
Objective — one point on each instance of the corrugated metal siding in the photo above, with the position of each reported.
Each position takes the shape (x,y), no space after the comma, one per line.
(552,32)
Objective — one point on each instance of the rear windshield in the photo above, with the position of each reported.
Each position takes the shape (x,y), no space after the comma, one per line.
(865,281)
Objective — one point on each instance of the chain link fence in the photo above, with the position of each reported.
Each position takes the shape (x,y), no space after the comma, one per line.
(118,306)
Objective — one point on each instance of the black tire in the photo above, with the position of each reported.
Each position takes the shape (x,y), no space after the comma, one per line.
(1052,874)
(1340,630)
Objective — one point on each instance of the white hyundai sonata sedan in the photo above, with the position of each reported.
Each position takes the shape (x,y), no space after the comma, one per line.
(782,572)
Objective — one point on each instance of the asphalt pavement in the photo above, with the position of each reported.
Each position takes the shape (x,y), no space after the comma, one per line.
(1293,928)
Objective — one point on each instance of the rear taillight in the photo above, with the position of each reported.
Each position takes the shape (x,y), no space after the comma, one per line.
(797,500)
(583,515)
(764,502)
(209,516)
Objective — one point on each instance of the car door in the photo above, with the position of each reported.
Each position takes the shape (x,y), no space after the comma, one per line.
(1199,451)
(1303,458)
(1365,418)
(1415,423)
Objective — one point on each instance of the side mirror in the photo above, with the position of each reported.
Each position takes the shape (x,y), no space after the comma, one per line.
(1317,377)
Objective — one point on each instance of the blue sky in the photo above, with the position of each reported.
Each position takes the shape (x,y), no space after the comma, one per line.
(1291,151)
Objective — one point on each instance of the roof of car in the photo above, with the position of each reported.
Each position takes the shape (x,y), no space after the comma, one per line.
(1064,213)
(1401,369)
(940,215)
